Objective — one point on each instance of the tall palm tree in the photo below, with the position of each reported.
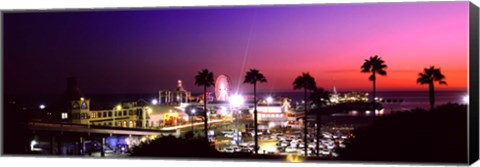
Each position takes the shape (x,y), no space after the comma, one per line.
(252,77)
(430,76)
(374,65)
(204,78)
(306,82)
(319,97)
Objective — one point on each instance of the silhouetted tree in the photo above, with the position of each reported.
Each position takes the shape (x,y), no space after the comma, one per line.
(252,77)
(430,76)
(412,136)
(204,78)
(374,65)
(306,82)
(319,97)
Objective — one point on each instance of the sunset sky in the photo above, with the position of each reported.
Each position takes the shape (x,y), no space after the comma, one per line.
(144,50)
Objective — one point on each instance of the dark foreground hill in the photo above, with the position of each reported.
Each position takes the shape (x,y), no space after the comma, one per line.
(413,136)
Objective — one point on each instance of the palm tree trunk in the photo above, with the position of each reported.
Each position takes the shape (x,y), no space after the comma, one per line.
(255,121)
(431,91)
(205,123)
(305,123)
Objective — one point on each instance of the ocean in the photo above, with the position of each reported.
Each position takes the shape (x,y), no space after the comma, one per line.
(409,99)
(404,100)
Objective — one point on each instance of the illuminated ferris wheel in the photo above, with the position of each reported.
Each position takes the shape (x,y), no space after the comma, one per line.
(222,88)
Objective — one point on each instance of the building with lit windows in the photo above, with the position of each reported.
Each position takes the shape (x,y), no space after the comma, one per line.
(272,112)
(177,96)
(75,108)
(127,114)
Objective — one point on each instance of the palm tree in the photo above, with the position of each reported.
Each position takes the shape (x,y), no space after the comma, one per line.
(429,76)
(306,82)
(319,97)
(204,78)
(374,65)
(252,77)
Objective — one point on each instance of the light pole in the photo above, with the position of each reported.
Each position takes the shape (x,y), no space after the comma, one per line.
(193,116)
(114,112)
(236,101)
(269,101)
(144,116)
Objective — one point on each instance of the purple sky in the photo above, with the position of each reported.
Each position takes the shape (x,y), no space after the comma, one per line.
(142,51)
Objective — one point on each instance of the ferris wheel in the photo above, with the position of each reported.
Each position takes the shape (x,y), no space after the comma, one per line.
(222,87)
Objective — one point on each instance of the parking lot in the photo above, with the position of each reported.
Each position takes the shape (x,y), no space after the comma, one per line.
(284,142)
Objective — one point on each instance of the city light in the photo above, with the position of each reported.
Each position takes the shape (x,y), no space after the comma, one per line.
(154,101)
(223,110)
(82,99)
(269,99)
(118,107)
(382,111)
(153,137)
(293,158)
(271,124)
(32,144)
(149,110)
(193,111)
(42,106)
(236,100)
(466,99)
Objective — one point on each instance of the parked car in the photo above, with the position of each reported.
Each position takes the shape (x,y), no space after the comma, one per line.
(330,146)
(327,135)
(228,150)
(227,131)
(290,150)
(228,135)
(325,152)
(258,132)
(281,149)
(294,144)
(301,145)
(276,135)
(309,152)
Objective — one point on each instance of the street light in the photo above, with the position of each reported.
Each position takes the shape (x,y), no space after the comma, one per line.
(236,100)
(154,101)
(269,99)
(193,116)
(42,106)
(465,99)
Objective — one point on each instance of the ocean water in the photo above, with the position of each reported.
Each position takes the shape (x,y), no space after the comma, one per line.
(411,99)
(421,99)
